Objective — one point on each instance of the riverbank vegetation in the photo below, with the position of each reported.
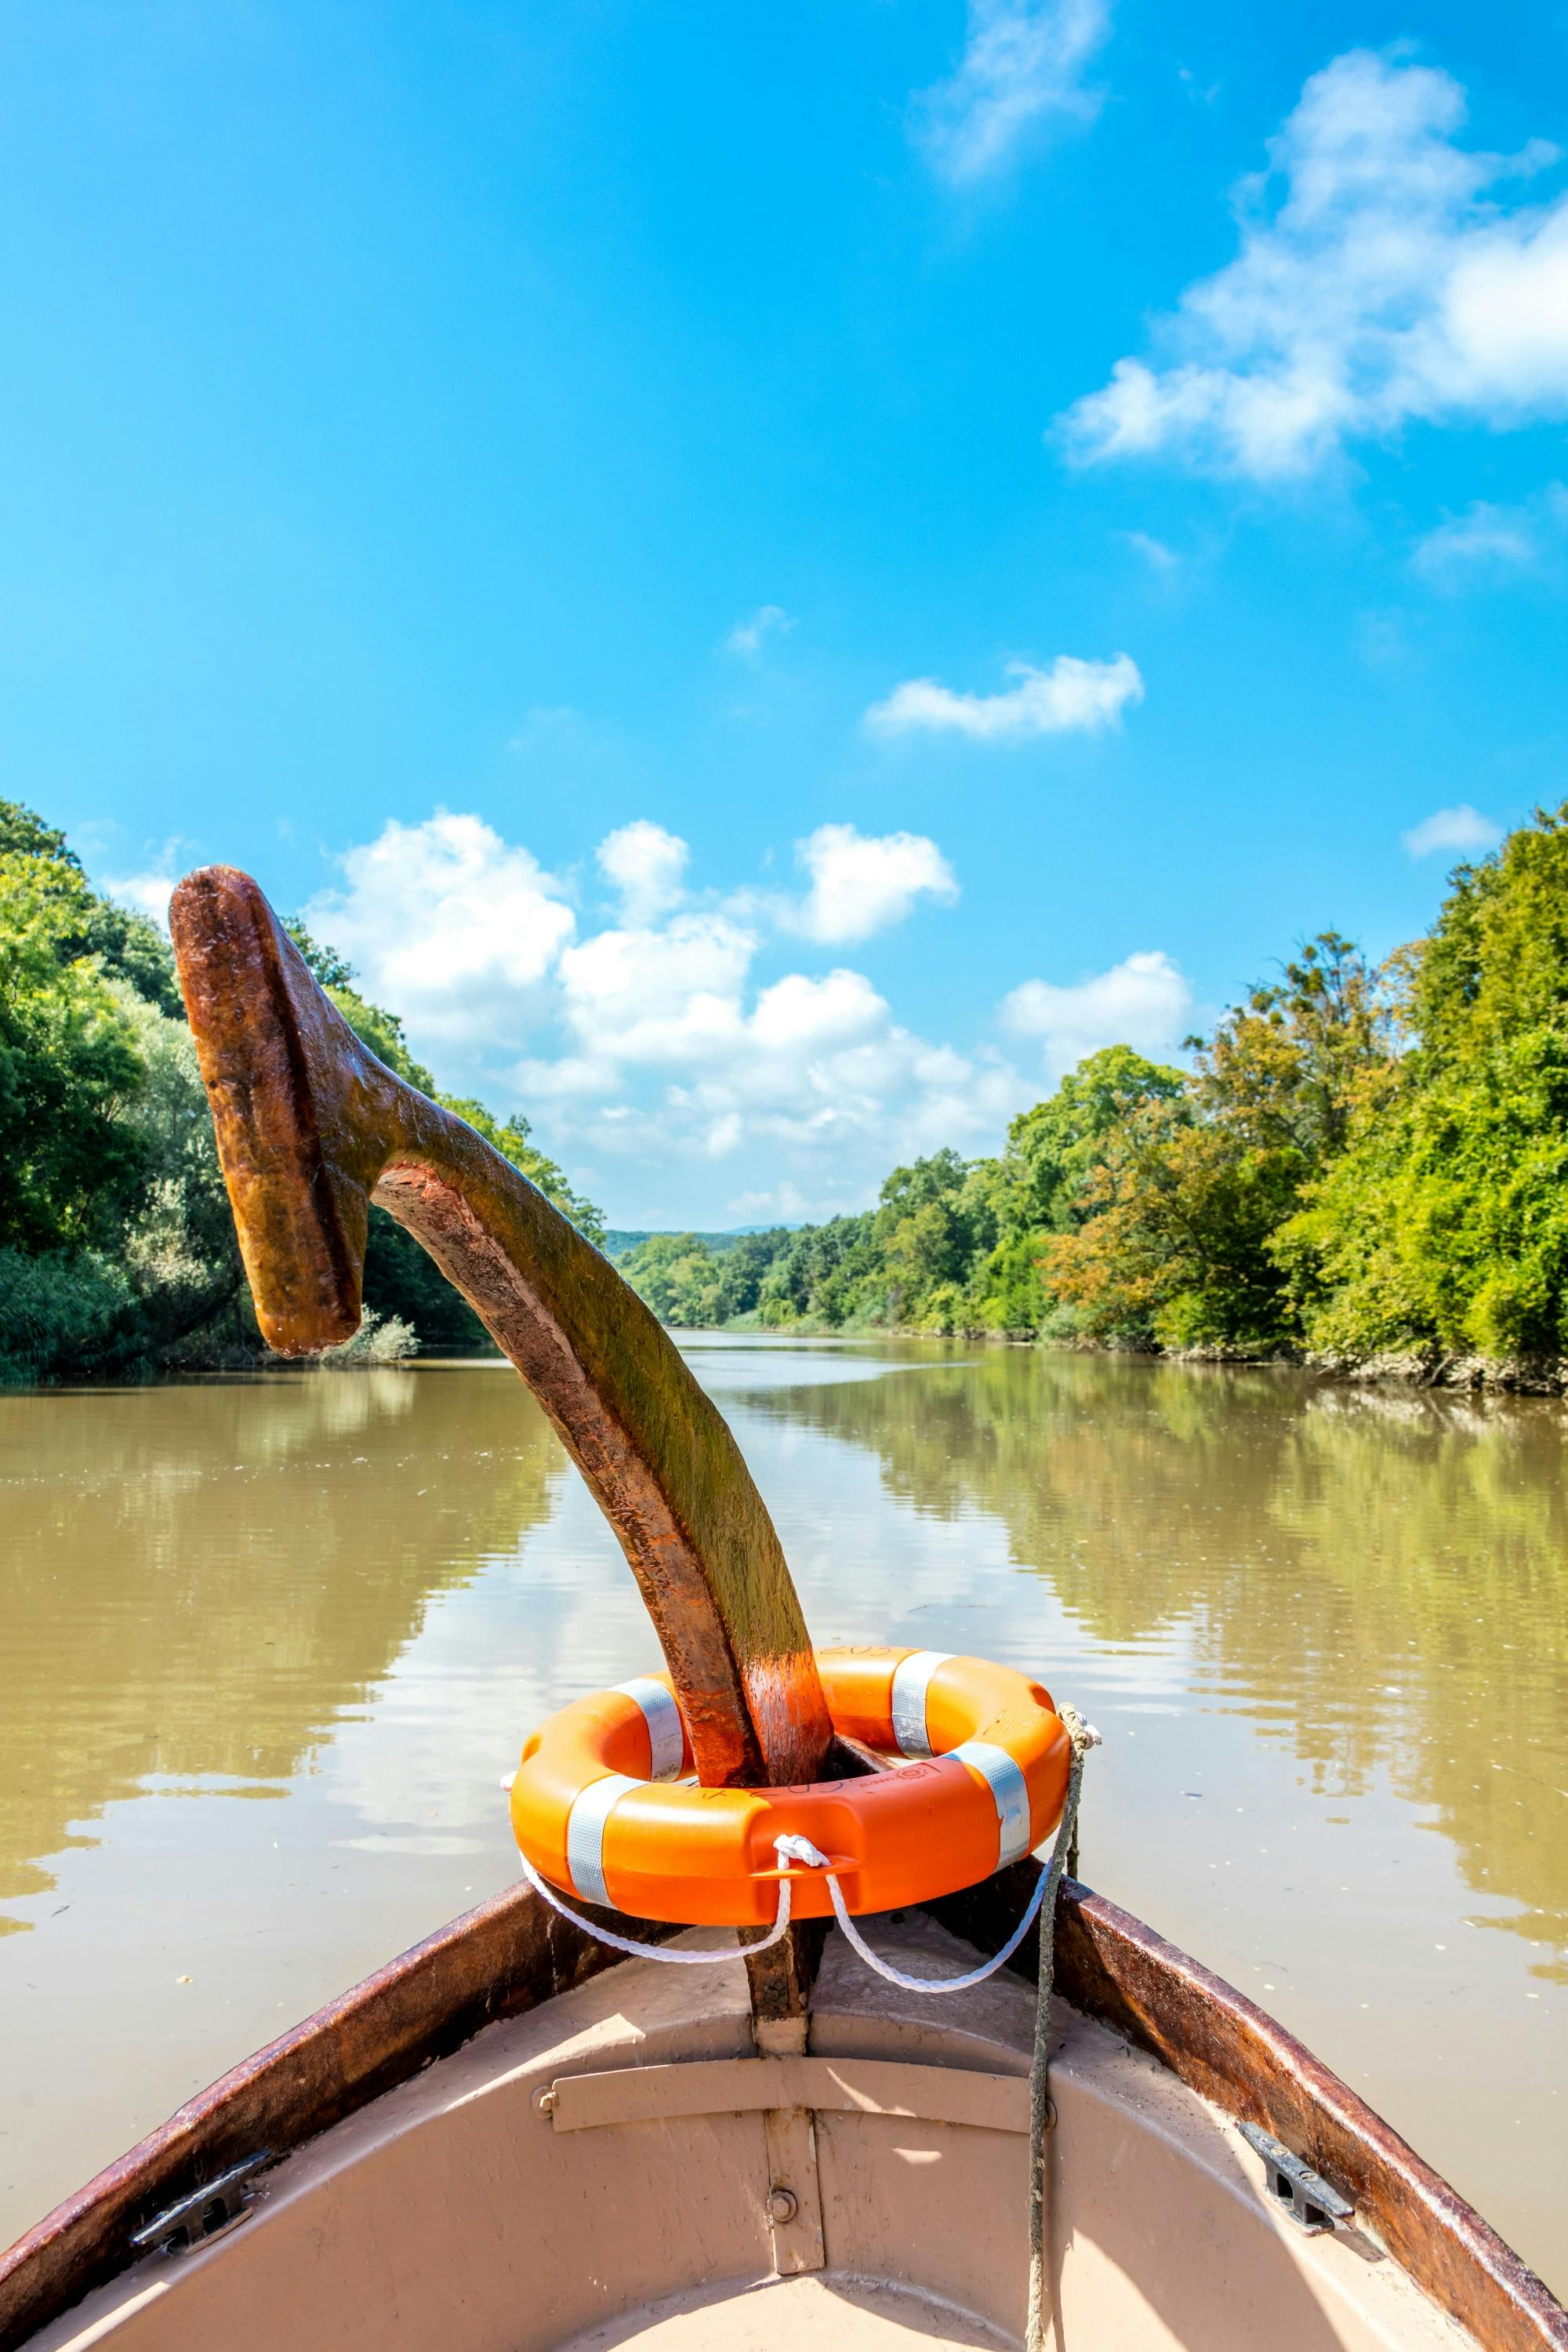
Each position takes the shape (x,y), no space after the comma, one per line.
(1358,1164)
(117,1250)
(1361,1165)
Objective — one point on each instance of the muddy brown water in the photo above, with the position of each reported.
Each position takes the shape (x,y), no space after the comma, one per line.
(269,1647)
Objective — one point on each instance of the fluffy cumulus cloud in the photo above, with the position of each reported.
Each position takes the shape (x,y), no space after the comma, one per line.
(1023,63)
(666,996)
(860,883)
(646,868)
(145,894)
(1144,1000)
(1072,696)
(676,1048)
(449,924)
(692,1059)
(1462,828)
(1385,273)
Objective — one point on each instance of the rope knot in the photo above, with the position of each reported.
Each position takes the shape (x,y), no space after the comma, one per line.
(791,1848)
(1082,1735)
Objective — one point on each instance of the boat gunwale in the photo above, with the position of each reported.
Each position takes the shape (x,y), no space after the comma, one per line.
(1114,1967)
(512,1953)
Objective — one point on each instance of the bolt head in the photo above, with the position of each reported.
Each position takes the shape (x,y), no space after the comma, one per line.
(783,2205)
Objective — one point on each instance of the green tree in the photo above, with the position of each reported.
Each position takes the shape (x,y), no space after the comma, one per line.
(1039,1186)
(178,1246)
(116,1247)
(1192,1187)
(678,1276)
(67,1069)
(1443,1226)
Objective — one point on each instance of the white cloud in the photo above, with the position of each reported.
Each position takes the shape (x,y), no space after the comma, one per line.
(147,890)
(449,925)
(862,883)
(1144,1002)
(1452,828)
(747,637)
(1023,61)
(812,1082)
(657,996)
(147,893)
(1071,694)
(646,866)
(1377,280)
(680,1049)
(1155,554)
(1489,538)
(1483,535)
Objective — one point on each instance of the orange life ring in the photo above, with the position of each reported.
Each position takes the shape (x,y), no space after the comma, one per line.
(603,1804)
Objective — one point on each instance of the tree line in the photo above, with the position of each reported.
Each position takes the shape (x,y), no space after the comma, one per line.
(117,1256)
(1362,1163)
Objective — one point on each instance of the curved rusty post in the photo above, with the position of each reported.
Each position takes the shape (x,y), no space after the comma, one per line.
(311,1129)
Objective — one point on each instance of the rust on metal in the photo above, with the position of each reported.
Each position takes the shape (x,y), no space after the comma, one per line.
(311,1129)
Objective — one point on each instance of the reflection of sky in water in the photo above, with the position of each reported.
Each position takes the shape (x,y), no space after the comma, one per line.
(1236,1580)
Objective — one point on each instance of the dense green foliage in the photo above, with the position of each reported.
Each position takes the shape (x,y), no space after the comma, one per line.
(1176,1226)
(1360,1162)
(1443,1225)
(117,1250)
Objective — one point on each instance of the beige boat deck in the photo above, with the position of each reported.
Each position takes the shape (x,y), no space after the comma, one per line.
(461,2213)
(797,2314)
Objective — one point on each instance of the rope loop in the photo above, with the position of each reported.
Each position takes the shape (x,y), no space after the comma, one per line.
(800,1849)
(658,1951)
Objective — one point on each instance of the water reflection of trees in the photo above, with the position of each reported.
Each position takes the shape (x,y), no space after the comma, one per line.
(1380,1577)
(199,1580)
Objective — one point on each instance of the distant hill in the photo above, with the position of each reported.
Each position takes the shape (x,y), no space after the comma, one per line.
(618,1242)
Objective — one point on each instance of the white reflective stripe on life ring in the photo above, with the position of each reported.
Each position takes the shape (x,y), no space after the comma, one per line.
(912,1681)
(1009,1787)
(666,1733)
(591,1809)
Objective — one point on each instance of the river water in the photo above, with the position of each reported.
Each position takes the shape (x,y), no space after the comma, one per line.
(269,1647)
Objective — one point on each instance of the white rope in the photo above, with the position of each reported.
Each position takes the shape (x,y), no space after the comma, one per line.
(794,1849)
(658,1951)
(800,1849)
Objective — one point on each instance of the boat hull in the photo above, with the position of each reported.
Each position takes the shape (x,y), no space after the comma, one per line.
(499,2144)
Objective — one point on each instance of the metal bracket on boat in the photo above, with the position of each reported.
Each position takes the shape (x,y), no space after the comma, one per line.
(1306,2196)
(208,2212)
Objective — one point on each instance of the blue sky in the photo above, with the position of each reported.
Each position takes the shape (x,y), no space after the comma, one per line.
(774,575)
